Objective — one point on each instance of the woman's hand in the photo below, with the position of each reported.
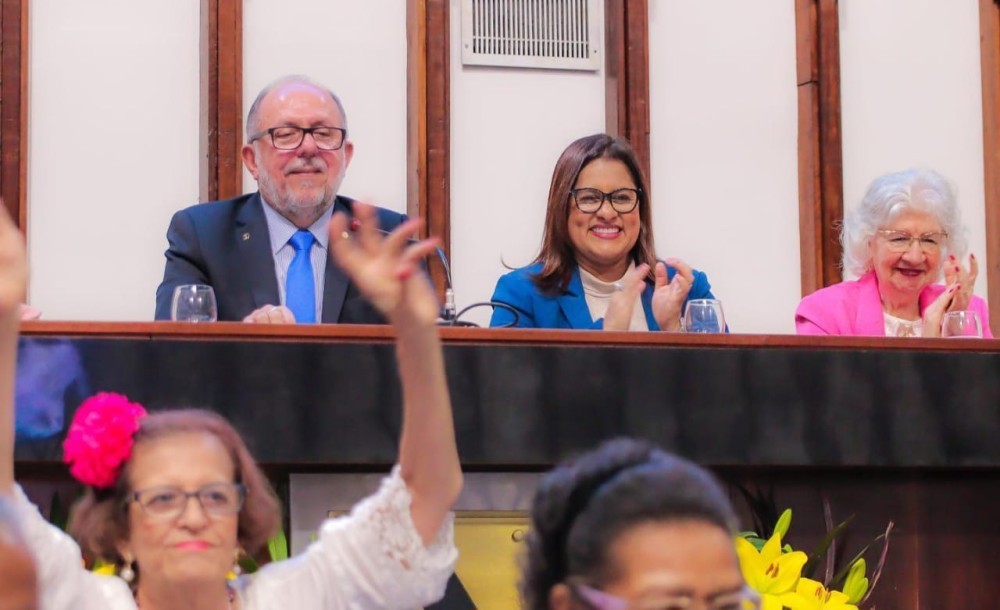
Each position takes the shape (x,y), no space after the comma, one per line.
(13,268)
(386,268)
(669,295)
(934,314)
(13,283)
(955,272)
(622,303)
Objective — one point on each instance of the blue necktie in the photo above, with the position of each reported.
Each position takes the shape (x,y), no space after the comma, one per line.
(300,291)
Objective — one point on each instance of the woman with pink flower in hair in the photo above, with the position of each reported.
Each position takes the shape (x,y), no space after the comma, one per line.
(173,497)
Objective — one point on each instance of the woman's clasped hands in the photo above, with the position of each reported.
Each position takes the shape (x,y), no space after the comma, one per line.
(669,295)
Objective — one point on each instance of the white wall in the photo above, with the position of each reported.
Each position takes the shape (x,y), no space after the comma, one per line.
(356,48)
(723,111)
(508,128)
(912,96)
(113,150)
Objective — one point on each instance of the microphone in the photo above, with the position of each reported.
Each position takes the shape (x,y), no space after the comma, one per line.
(449,310)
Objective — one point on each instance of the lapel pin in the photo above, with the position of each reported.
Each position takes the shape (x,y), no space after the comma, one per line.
(246,237)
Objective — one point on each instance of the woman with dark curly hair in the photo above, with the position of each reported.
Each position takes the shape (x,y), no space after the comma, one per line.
(173,497)
(628,526)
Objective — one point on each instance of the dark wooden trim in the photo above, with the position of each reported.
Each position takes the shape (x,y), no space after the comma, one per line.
(428,121)
(821,174)
(221,173)
(989,25)
(14,109)
(626,75)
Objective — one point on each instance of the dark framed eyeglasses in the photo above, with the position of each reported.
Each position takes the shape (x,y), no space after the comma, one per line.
(589,200)
(169,502)
(290,138)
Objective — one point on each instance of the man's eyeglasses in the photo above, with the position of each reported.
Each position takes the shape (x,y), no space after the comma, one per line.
(901,241)
(290,138)
(595,599)
(217,499)
(590,200)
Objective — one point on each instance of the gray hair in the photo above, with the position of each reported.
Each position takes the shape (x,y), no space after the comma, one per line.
(253,126)
(890,195)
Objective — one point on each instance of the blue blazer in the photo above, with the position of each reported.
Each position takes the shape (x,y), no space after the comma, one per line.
(226,245)
(569,309)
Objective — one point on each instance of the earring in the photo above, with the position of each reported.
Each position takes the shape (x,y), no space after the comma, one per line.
(127,573)
(237,570)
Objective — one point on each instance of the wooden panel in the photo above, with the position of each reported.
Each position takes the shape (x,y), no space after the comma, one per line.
(428,124)
(989,24)
(14,108)
(821,182)
(626,38)
(221,99)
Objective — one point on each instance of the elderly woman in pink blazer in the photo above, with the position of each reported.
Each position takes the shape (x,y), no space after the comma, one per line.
(906,233)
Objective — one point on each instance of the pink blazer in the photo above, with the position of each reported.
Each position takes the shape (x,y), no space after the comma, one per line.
(854,307)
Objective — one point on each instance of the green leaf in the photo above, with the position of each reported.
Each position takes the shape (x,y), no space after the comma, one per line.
(277,546)
(856,584)
(817,554)
(784,521)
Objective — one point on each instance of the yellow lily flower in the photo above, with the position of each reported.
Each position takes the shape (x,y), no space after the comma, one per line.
(812,595)
(770,572)
(105,569)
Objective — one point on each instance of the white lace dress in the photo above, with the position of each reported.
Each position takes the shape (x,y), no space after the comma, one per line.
(372,558)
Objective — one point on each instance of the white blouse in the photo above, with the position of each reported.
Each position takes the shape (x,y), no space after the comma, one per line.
(372,558)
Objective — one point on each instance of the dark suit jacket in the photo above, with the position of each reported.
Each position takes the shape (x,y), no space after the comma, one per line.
(568,309)
(226,245)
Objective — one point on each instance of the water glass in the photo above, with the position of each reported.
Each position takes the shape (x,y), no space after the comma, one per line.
(962,325)
(704,316)
(194,303)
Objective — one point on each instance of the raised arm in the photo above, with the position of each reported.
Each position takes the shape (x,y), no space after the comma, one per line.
(13,278)
(386,271)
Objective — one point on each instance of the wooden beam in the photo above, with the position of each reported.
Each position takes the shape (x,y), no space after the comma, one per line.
(821,174)
(989,24)
(428,124)
(14,109)
(626,24)
(221,175)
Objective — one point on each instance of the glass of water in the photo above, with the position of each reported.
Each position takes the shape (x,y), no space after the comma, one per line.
(194,303)
(962,325)
(704,316)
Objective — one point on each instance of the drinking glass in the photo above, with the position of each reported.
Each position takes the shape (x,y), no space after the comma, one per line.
(962,325)
(704,316)
(193,303)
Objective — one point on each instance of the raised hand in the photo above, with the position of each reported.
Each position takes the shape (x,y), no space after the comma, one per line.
(934,313)
(13,282)
(955,272)
(386,268)
(13,267)
(669,295)
(622,303)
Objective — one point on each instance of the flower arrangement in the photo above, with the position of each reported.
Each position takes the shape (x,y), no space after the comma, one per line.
(100,439)
(782,575)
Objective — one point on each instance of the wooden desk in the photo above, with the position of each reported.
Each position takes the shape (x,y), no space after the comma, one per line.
(902,429)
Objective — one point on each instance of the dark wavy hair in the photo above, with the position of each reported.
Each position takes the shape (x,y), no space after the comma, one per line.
(99,520)
(557,255)
(583,505)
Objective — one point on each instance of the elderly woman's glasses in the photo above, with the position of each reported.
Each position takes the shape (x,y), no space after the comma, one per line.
(901,241)
(590,200)
(217,499)
(290,138)
(595,599)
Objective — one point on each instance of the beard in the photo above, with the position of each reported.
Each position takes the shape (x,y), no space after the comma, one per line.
(302,208)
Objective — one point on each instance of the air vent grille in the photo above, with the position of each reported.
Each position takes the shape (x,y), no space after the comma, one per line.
(555,34)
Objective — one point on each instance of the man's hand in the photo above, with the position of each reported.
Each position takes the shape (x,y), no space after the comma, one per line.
(270,314)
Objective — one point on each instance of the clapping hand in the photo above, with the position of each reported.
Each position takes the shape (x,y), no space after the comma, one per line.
(620,307)
(955,272)
(669,294)
(13,268)
(386,268)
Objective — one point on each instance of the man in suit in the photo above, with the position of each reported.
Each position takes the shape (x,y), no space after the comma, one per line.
(266,253)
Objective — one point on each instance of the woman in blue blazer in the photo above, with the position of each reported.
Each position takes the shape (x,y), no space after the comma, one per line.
(597,267)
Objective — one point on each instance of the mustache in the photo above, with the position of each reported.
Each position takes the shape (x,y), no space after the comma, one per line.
(301,164)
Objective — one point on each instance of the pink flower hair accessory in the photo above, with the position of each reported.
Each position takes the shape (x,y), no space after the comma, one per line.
(100,439)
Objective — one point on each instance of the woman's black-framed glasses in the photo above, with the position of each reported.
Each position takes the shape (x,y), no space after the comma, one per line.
(290,137)
(168,502)
(590,200)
